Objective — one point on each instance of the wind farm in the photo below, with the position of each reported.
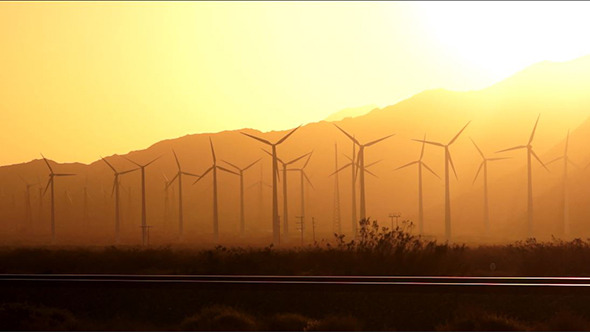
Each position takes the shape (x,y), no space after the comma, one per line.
(292,166)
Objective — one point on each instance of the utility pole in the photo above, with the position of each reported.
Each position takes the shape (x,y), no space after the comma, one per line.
(301,226)
(313,228)
(396,216)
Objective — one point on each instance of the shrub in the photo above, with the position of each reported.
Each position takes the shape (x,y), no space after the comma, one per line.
(479,320)
(287,322)
(19,316)
(219,318)
(335,323)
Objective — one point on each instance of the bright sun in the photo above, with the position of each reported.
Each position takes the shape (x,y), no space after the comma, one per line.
(503,37)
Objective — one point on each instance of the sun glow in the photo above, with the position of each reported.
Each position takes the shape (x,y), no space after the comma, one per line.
(503,37)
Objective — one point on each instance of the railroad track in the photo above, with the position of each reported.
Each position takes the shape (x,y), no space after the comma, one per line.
(394,281)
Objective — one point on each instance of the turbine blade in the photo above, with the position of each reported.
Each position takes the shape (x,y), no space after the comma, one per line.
(131,161)
(478,149)
(146,165)
(459,133)
(307,161)
(430,169)
(307,179)
(202,176)
(554,160)
(165,177)
(296,159)
(378,140)
(176,158)
(270,154)
(286,136)
(534,129)
(128,171)
(422,151)
(341,168)
(408,164)
(494,159)
(453,166)
(212,150)
(190,174)
(47,186)
(252,164)
(349,136)
(347,157)
(539,160)
(169,183)
(513,148)
(47,162)
(571,162)
(366,170)
(64,174)
(428,142)
(373,163)
(111,166)
(478,170)
(232,165)
(257,138)
(227,170)
(567,140)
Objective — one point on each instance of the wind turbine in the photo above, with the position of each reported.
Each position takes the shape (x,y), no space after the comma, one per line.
(484,166)
(115,190)
(530,153)
(214,168)
(275,202)
(565,193)
(336,224)
(361,166)
(50,182)
(448,160)
(144,225)
(302,175)
(285,204)
(28,208)
(420,164)
(241,173)
(178,176)
(261,184)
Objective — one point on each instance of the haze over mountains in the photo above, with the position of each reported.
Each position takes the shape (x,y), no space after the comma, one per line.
(501,116)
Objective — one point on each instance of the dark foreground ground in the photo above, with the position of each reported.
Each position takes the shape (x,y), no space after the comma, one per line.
(116,306)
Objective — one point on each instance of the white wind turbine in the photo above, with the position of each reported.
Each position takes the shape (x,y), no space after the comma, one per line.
(214,168)
(484,166)
(115,190)
(144,225)
(530,154)
(241,171)
(360,165)
(178,176)
(275,169)
(565,193)
(448,161)
(50,183)
(420,164)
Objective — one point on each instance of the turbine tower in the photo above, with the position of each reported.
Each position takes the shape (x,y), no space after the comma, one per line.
(144,225)
(484,166)
(178,176)
(336,223)
(565,193)
(50,183)
(241,173)
(285,201)
(214,168)
(115,190)
(530,154)
(302,175)
(448,160)
(275,202)
(361,166)
(420,164)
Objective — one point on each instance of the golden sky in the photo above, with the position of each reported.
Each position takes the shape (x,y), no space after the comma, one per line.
(83,79)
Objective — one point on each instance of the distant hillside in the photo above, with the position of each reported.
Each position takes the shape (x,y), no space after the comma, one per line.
(350,112)
(501,116)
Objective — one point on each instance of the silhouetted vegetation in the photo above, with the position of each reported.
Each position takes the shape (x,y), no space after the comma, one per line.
(376,251)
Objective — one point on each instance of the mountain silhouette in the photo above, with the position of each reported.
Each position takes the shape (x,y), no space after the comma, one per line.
(501,116)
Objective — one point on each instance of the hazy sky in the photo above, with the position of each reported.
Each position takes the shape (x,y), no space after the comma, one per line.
(83,79)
